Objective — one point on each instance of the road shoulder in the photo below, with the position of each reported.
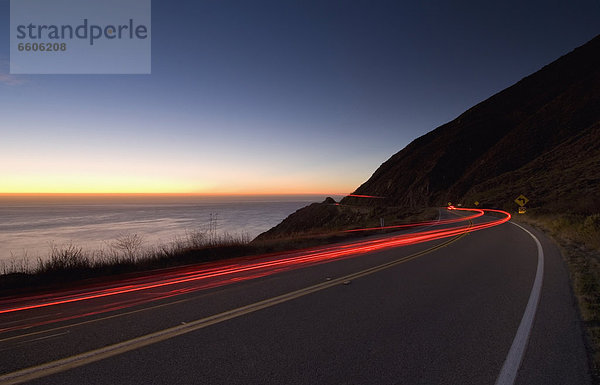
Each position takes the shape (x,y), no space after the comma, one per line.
(543,362)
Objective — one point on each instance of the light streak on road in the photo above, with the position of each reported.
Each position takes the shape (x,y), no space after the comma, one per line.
(419,224)
(167,283)
(365,196)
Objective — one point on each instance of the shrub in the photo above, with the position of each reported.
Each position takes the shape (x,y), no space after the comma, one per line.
(130,245)
(67,257)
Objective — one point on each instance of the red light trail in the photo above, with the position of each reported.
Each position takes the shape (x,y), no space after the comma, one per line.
(176,281)
(419,224)
(365,196)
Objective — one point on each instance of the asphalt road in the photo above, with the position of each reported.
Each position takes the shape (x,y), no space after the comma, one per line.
(440,312)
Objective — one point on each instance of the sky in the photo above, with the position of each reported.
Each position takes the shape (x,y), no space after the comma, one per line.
(273,96)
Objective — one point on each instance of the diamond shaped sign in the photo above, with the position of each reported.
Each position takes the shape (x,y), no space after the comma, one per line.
(521,200)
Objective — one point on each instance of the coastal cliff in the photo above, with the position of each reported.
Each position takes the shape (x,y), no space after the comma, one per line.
(540,137)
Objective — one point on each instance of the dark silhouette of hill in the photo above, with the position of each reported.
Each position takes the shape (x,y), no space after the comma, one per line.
(540,137)
(527,139)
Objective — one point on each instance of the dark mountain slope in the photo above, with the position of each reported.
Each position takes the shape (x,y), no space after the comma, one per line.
(564,180)
(499,135)
(539,137)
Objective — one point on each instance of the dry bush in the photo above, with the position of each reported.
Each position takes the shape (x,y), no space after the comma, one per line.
(65,257)
(129,245)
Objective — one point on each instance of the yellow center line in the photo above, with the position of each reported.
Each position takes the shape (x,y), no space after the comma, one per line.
(102,318)
(82,359)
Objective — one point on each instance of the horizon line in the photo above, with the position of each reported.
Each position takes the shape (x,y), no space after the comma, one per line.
(168,194)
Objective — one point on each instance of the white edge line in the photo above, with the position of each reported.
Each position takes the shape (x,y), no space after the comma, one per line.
(510,368)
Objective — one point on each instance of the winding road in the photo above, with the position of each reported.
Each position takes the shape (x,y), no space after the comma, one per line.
(472,298)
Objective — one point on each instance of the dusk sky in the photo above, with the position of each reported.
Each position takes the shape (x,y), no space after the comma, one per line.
(273,96)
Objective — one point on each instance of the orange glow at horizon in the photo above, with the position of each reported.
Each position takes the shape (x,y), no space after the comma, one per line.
(85,177)
(141,186)
(68,167)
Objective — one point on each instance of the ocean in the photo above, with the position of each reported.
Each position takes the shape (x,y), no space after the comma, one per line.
(30,225)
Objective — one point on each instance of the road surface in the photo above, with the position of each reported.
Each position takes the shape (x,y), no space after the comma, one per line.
(448,310)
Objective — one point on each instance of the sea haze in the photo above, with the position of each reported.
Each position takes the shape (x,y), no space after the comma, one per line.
(30,224)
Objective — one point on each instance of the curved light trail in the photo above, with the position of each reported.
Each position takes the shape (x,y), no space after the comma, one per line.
(171,282)
(365,196)
(478,213)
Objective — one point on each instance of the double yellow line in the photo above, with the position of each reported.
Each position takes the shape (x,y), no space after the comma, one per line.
(82,359)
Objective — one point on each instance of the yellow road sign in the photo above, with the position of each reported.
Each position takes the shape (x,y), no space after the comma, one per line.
(521,200)
(522,210)
(476,203)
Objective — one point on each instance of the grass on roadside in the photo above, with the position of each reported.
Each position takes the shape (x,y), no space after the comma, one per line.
(128,253)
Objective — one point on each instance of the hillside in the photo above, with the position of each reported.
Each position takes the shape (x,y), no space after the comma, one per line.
(510,144)
(539,137)
(327,217)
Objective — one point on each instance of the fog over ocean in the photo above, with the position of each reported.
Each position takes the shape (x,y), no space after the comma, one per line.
(30,224)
